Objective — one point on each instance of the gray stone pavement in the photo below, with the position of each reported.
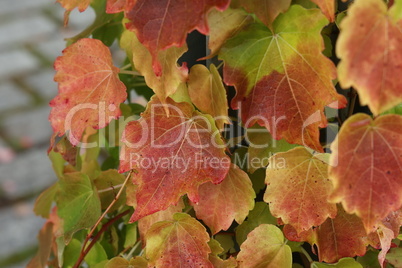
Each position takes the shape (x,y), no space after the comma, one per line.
(31,36)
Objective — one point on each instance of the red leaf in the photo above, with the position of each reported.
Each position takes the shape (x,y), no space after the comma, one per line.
(90,91)
(327,7)
(160,24)
(115,6)
(230,200)
(366,167)
(172,154)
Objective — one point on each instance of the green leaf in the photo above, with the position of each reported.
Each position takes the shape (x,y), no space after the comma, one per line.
(71,253)
(118,262)
(131,235)
(108,184)
(96,255)
(259,215)
(110,31)
(78,203)
(44,202)
(370,259)
(394,257)
(57,163)
(342,263)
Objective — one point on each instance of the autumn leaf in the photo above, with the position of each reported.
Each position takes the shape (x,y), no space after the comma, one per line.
(119,262)
(208,93)
(343,236)
(90,91)
(265,247)
(171,76)
(369,46)
(181,242)
(230,200)
(327,7)
(163,24)
(298,189)
(266,10)
(342,263)
(78,203)
(365,167)
(172,154)
(283,81)
(69,5)
(224,25)
(216,261)
(45,238)
(164,215)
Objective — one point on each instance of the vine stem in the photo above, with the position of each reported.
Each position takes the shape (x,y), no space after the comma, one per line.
(85,250)
(305,253)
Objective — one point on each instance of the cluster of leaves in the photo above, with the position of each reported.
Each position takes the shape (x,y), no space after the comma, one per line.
(301,207)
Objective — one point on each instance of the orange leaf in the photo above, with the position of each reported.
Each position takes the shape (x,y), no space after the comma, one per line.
(178,243)
(298,189)
(162,24)
(327,7)
(230,200)
(172,154)
(115,6)
(69,5)
(366,167)
(370,49)
(90,91)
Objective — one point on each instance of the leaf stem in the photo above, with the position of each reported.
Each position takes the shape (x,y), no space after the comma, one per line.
(305,253)
(130,72)
(125,66)
(135,247)
(85,251)
(353,97)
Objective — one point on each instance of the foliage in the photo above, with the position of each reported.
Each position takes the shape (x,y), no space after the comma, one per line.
(180,182)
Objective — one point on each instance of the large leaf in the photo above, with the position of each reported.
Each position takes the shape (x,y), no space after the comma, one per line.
(265,247)
(266,10)
(78,203)
(90,91)
(366,167)
(160,24)
(298,189)
(172,154)
(342,263)
(170,77)
(283,81)
(208,93)
(327,7)
(230,200)
(178,243)
(370,49)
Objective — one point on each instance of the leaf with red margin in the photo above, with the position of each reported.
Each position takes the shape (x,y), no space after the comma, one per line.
(69,5)
(171,76)
(230,200)
(160,24)
(366,165)
(297,190)
(172,154)
(343,236)
(283,81)
(327,7)
(370,49)
(265,10)
(115,6)
(145,223)
(181,242)
(90,91)
(265,247)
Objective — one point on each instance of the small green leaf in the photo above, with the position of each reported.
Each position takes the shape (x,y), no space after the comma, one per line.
(394,257)
(96,255)
(131,236)
(44,202)
(342,263)
(71,253)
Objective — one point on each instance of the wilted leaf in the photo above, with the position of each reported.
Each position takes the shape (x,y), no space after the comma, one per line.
(170,77)
(45,238)
(298,188)
(90,91)
(224,25)
(163,24)
(370,49)
(178,243)
(283,81)
(78,203)
(366,165)
(208,94)
(259,215)
(230,200)
(173,155)
(265,247)
(266,10)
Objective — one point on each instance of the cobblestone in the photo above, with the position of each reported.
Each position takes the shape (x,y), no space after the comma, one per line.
(42,82)
(11,96)
(16,62)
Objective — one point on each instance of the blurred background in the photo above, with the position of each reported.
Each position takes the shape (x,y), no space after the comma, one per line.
(31,37)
